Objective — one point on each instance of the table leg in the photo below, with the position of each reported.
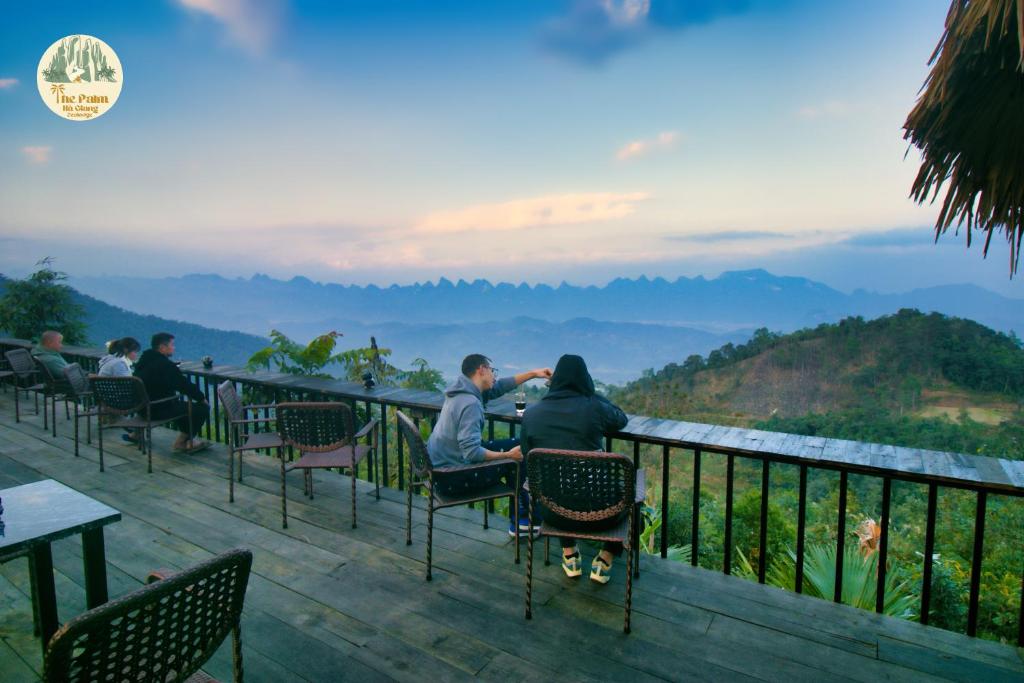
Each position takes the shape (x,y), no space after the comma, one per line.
(95,563)
(46,594)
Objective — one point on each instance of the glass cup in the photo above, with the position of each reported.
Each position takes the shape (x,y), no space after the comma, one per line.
(520,399)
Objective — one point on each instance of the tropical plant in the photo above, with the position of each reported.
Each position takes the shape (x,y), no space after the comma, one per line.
(311,360)
(422,377)
(651,531)
(42,302)
(860,578)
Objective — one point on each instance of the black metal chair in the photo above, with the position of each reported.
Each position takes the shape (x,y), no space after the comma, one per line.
(25,371)
(588,495)
(164,631)
(423,473)
(241,440)
(53,388)
(125,401)
(325,436)
(81,395)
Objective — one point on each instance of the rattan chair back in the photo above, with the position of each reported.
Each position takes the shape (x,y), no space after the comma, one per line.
(119,395)
(315,427)
(77,380)
(419,459)
(230,401)
(21,362)
(583,486)
(164,631)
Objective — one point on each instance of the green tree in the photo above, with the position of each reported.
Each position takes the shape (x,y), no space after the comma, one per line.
(42,302)
(422,377)
(312,360)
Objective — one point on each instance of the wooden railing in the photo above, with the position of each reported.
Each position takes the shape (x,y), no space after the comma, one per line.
(984,476)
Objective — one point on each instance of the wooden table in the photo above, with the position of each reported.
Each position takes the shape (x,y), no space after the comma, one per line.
(35,515)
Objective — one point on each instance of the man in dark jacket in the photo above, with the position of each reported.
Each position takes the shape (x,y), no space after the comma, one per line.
(163,379)
(572,416)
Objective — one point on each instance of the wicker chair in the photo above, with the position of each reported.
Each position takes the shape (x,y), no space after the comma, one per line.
(5,372)
(53,388)
(325,436)
(126,401)
(240,441)
(423,473)
(81,394)
(25,371)
(587,487)
(164,631)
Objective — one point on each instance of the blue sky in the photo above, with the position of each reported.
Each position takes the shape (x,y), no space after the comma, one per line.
(381,141)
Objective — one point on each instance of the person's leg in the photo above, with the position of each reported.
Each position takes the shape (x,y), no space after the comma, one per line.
(200,414)
(571,563)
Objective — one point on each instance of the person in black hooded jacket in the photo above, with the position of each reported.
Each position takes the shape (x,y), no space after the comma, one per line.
(163,379)
(572,416)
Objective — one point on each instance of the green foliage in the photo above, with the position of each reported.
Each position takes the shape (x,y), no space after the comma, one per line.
(422,377)
(41,302)
(747,526)
(860,578)
(313,359)
(649,542)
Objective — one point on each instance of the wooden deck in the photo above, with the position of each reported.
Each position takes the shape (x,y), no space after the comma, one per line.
(326,602)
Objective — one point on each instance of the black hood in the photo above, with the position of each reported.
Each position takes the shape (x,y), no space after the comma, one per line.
(571,377)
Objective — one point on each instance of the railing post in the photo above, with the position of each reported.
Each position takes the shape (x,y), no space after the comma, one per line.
(730,472)
(929,552)
(664,501)
(976,557)
(883,546)
(762,542)
(837,595)
(695,512)
(801,530)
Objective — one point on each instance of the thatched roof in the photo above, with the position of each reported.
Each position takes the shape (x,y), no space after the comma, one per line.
(969,123)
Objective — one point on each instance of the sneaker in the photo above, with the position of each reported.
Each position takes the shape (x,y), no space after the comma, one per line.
(524,527)
(600,571)
(571,565)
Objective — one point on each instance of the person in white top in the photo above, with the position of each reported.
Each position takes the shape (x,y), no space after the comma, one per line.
(121,354)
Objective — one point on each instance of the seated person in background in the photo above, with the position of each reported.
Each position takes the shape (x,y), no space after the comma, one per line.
(48,353)
(164,379)
(121,353)
(573,417)
(457,440)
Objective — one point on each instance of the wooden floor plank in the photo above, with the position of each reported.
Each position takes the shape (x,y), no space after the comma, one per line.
(328,602)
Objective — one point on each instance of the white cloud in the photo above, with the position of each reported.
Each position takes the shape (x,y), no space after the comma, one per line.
(6,83)
(638,148)
(37,154)
(251,24)
(829,109)
(563,209)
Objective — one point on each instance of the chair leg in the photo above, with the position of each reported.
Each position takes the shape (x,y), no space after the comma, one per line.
(529,568)
(408,509)
(17,403)
(309,478)
(514,504)
(284,498)
(67,410)
(99,437)
(236,651)
(149,449)
(53,415)
(629,577)
(636,541)
(485,514)
(46,415)
(430,532)
(231,473)
(353,472)
(547,549)
(88,428)
(76,430)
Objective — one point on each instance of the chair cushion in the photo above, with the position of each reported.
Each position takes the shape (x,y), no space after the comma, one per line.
(261,440)
(346,456)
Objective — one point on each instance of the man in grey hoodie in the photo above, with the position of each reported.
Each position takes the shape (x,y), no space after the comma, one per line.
(456,439)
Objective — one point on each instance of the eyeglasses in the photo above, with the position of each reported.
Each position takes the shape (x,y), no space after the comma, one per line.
(493,369)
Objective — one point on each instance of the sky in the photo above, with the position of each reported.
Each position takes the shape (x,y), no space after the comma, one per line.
(541,140)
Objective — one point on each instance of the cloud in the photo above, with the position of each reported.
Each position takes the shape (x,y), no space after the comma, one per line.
(37,154)
(901,237)
(731,236)
(830,109)
(595,30)
(638,148)
(564,209)
(250,24)
(6,83)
